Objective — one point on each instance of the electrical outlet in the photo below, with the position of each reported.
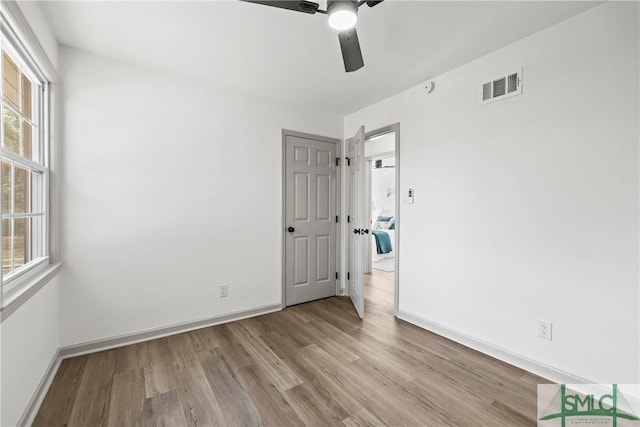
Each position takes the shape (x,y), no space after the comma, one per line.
(544,329)
(224,291)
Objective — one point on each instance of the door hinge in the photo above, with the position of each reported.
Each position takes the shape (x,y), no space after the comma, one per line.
(348,161)
(348,276)
(337,275)
(337,161)
(348,218)
(337,219)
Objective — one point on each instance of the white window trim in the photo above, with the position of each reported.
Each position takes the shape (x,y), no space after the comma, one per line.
(27,283)
(40,166)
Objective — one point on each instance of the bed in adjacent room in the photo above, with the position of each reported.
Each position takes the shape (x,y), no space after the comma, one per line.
(382,242)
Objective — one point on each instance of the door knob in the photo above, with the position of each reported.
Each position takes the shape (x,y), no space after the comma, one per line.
(356,231)
(291,229)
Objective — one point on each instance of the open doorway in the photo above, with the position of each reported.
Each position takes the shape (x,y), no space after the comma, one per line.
(381,151)
(383,213)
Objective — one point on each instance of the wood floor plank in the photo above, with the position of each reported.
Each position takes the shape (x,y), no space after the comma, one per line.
(230,394)
(428,341)
(326,341)
(158,373)
(263,325)
(314,407)
(91,407)
(367,349)
(328,377)
(285,349)
(164,410)
(512,417)
(390,400)
(126,407)
(236,354)
(448,405)
(197,399)
(59,401)
(279,373)
(286,325)
(338,312)
(313,364)
(363,418)
(129,357)
(203,340)
(268,400)
(342,337)
(300,314)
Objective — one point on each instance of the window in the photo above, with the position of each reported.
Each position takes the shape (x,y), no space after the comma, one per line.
(24,170)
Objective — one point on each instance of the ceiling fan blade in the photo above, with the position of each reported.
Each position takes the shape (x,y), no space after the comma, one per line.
(298,6)
(372,3)
(351,53)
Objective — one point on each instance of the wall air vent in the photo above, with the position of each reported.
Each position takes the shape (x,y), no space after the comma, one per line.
(502,87)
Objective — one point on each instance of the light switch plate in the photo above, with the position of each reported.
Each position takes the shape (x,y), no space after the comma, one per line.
(408,196)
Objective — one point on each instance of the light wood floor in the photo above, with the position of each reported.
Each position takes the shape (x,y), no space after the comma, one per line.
(314,364)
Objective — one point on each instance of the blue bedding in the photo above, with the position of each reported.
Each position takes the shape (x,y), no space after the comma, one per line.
(383,242)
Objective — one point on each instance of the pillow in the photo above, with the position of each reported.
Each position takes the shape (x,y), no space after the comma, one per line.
(383,225)
(390,220)
(378,223)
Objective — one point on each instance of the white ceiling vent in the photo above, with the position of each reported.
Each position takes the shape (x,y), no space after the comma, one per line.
(502,87)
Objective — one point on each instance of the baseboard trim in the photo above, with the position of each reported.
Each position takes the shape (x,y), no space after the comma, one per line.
(522,362)
(151,334)
(31,410)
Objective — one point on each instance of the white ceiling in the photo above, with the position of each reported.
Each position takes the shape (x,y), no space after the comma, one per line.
(295,58)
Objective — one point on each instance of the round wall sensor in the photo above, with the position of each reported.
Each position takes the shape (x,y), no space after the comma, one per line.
(429,87)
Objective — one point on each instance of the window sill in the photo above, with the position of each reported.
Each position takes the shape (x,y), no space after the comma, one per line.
(28,286)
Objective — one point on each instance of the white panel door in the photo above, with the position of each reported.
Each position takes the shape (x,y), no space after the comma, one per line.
(358,228)
(310,218)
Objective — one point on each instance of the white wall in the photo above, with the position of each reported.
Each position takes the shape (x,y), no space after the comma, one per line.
(382,144)
(33,12)
(383,197)
(527,208)
(29,337)
(171,189)
(382,178)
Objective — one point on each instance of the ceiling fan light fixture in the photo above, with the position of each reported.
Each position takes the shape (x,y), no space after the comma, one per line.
(343,15)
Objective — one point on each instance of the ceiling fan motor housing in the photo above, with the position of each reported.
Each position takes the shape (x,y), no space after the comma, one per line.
(335,7)
(350,3)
